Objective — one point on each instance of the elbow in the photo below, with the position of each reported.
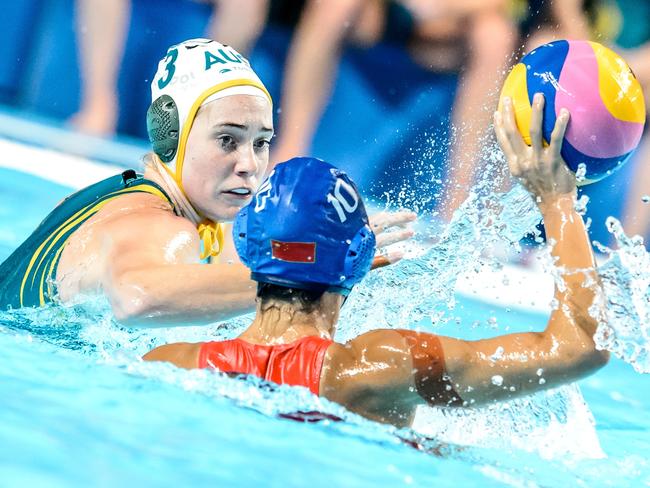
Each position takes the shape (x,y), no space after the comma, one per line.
(589,359)
(132,311)
(131,304)
(597,359)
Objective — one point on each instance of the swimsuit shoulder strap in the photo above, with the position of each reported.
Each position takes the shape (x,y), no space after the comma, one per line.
(135,182)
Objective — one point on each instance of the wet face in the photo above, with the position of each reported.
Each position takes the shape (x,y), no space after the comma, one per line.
(227,154)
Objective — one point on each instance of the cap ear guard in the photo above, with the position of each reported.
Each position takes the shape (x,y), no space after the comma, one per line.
(163,127)
(358,259)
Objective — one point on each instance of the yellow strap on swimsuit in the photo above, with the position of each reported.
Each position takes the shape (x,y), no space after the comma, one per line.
(211,233)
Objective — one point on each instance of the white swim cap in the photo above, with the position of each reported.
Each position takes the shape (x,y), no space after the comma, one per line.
(192,74)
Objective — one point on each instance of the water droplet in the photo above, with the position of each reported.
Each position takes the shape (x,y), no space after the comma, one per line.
(497,380)
(498,354)
(581,204)
(542,381)
(539,372)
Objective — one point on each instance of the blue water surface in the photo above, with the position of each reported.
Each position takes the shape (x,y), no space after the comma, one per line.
(79,408)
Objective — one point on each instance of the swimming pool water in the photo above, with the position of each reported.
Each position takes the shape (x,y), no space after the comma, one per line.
(79,408)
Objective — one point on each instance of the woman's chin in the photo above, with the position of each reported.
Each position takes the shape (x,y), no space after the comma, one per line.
(224,214)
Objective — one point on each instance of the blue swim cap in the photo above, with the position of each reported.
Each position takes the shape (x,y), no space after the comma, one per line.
(306,228)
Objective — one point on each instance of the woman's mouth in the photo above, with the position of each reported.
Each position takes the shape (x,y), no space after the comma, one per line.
(241,192)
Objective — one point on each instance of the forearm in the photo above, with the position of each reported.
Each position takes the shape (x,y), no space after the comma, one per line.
(101,35)
(181,294)
(566,233)
(566,349)
(227,28)
(472,7)
(311,66)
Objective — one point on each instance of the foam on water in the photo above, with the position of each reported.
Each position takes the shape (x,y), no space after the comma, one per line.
(554,424)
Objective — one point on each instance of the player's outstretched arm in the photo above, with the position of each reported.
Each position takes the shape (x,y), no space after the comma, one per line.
(565,351)
(385,373)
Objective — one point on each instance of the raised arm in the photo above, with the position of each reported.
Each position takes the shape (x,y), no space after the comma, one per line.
(384,374)
(565,351)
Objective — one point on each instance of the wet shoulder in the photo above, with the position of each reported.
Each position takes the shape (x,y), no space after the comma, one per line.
(382,346)
(141,212)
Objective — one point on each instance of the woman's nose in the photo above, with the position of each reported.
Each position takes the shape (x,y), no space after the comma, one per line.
(246,163)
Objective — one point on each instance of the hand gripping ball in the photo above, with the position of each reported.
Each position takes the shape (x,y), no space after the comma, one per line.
(600,91)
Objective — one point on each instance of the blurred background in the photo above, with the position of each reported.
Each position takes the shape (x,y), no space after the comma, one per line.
(398,92)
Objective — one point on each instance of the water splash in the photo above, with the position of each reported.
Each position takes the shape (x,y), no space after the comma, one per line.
(484,223)
(626,282)
(88,326)
(426,286)
(427,283)
(539,423)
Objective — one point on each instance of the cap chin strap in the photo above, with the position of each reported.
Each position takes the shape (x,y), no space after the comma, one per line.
(210,233)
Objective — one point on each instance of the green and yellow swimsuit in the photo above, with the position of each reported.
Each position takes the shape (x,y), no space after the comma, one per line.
(27,275)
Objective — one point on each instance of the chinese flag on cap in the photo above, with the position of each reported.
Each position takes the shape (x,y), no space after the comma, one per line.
(294,252)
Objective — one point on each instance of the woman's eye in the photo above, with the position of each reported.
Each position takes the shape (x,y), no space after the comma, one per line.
(263,143)
(227,142)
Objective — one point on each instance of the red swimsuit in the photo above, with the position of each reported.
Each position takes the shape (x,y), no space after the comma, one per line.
(296,364)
